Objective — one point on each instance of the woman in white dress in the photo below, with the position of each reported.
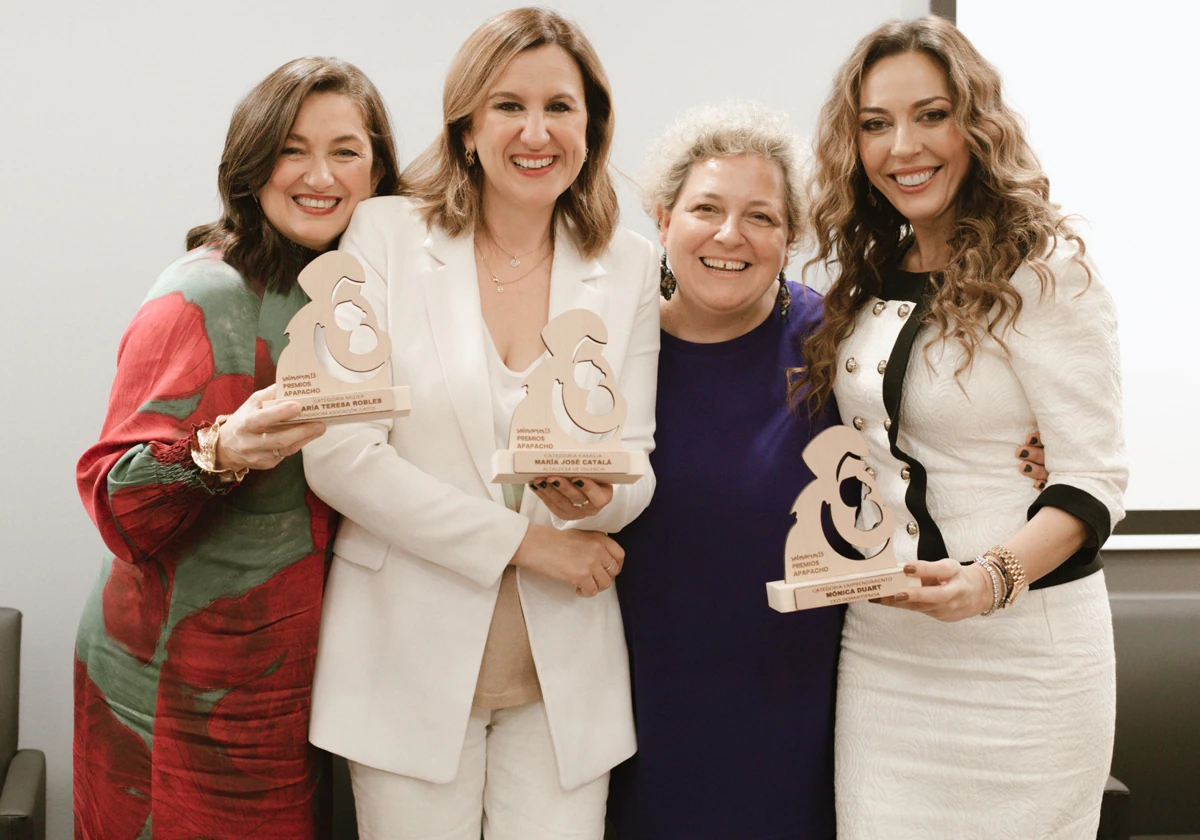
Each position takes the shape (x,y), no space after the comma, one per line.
(965,314)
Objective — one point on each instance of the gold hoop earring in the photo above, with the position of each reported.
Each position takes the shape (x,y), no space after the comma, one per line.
(469,156)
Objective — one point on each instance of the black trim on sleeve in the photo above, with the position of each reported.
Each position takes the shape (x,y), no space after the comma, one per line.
(930,543)
(1092,513)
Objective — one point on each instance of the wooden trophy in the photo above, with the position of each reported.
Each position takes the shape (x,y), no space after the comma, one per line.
(816,573)
(343,384)
(538,443)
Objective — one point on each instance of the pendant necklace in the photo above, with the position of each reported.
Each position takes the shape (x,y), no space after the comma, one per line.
(500,284)
(515,260)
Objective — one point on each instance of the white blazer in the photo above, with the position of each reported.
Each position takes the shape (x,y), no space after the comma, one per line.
(426,536)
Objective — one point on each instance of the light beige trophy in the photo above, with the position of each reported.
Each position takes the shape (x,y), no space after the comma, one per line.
(344,384)
(539,444)
(816,573)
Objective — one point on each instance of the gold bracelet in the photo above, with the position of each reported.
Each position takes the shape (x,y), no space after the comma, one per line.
(1014,572)
(204,453)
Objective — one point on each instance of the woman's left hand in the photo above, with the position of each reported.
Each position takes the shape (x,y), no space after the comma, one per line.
(572,498)
(948,592)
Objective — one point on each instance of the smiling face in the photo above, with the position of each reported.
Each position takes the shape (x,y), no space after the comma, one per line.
(530,133)
(726,240)
(323,171)
(911,149)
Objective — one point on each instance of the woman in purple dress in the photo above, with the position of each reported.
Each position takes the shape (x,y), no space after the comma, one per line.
(733,701)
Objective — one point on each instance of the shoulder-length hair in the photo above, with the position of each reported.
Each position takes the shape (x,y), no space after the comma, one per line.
(1004,215)
(450,193)
(257,134)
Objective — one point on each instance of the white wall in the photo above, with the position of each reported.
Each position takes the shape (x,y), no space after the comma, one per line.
(112,117)
(1109,94)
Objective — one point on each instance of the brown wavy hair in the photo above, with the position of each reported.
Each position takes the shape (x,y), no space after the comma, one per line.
(257,134)
(450,193)
(1004,215)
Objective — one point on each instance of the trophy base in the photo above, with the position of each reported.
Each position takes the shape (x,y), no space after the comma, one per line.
(615,466)
(375,404)
(789,597)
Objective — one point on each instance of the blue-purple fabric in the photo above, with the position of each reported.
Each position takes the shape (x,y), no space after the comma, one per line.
(733,701)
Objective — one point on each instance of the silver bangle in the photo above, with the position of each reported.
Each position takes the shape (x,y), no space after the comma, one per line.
(997,587)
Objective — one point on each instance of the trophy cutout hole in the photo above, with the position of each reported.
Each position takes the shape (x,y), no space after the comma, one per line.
(335,362)
(569,422)
(838,501)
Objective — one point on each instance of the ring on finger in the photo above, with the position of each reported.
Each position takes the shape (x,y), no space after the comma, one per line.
(580,504)
(609,569)
(275,452)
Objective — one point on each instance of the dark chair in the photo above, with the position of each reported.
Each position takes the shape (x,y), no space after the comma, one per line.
(1114,812)
(22,772)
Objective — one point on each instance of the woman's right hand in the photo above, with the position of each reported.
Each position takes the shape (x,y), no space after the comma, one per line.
(1032,455)
(586,560)
(254,436)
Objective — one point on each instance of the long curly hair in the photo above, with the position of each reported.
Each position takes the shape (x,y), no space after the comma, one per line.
(1003,212)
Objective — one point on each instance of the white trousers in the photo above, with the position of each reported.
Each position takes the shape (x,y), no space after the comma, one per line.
(507,787)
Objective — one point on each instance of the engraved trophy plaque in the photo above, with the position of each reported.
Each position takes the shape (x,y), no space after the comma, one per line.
(541,440)
(816,573)
(346,383)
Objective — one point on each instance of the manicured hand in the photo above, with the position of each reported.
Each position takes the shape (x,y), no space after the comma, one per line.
(1032,455)
(572,498)
(949,591)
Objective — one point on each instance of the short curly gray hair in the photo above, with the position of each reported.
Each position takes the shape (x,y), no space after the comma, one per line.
(718,131)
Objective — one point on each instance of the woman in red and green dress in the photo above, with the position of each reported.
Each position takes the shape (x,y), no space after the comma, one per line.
(195,651)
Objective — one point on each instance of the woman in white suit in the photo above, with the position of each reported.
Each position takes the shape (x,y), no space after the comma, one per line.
(471,664)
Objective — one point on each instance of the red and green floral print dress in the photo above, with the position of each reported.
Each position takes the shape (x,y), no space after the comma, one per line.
(194,658)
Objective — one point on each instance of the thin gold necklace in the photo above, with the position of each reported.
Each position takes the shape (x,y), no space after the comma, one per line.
(515,262)
(500,284)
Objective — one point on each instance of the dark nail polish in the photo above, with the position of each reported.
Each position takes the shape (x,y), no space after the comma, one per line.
(555,482)
(532,486)
(1029,468)
(1041,485)
(578,483)
(1024,453)
(910,569)
(542,485)
(1033,440)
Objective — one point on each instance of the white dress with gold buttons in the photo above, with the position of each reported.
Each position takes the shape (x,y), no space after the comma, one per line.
(1000,726)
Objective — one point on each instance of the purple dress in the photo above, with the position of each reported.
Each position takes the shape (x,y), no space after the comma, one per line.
(733,701)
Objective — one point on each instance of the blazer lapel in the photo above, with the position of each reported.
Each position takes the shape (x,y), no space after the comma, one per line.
(456,320)
(573,276)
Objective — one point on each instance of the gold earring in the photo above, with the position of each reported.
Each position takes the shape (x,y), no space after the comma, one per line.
(469,155)
(585,154)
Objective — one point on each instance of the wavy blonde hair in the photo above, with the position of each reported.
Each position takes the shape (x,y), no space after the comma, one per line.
(450,193)
(1004,215)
